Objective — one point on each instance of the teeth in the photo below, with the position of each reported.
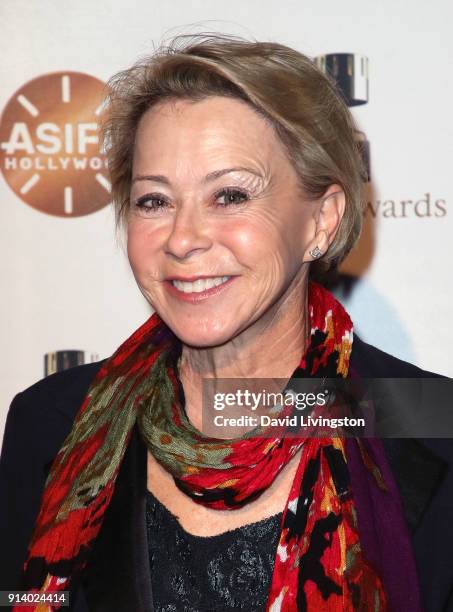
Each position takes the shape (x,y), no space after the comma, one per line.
(200,285)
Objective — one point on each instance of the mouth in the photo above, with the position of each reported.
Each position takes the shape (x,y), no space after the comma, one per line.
(199,284)
(198,288)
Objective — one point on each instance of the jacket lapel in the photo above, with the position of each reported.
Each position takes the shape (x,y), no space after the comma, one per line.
(418,473)
(118,575)
(433,535)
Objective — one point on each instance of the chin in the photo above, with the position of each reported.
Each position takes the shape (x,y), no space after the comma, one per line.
(199,338)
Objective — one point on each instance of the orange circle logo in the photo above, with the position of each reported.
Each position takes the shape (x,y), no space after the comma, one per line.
(49,145)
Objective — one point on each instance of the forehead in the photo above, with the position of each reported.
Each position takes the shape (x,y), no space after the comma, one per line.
(213,128)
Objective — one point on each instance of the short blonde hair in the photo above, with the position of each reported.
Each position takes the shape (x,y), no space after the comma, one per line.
(283,85)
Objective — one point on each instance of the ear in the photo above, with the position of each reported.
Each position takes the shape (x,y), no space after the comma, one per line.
(328,215)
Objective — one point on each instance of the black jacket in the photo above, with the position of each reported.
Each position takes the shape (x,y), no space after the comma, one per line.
(117,578)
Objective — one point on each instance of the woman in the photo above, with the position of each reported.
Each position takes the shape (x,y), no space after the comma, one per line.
(235,172)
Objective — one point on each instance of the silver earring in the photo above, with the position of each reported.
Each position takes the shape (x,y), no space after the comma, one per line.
(315,253)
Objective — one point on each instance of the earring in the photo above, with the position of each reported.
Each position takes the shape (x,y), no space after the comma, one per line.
(315,253)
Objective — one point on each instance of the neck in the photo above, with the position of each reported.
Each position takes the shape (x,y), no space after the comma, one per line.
(272,347)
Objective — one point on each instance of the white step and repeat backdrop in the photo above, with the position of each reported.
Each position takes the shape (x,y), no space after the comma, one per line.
(65,281)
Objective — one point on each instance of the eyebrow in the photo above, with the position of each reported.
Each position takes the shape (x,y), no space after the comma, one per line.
(160,178)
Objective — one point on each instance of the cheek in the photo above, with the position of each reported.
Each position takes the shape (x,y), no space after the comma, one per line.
(140,245)
(133,246)
(266,245)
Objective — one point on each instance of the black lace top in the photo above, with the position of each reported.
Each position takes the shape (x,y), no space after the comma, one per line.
(220,573)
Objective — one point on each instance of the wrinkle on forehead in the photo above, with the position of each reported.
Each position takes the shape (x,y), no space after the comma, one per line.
(208,135)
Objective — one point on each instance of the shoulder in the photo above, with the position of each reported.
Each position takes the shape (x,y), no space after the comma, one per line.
(370,362)
(410,402)
(62,392)
(65,382)
(40,417)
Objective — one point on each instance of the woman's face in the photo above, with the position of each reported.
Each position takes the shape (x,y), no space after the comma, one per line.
(214,196)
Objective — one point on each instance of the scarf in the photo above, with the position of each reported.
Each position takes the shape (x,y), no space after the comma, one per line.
(320,563)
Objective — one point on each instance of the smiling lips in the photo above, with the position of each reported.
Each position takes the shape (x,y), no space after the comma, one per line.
(196,290)
(199,285)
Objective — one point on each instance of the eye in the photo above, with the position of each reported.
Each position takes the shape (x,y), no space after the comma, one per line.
(231,196)
(150,202)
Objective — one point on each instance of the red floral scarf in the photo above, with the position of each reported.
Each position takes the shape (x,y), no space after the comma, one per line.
(319,564)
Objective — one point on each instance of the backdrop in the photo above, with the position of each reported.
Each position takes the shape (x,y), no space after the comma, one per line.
(67,290)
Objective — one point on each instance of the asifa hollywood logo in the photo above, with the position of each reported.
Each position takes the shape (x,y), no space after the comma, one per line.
(49,145)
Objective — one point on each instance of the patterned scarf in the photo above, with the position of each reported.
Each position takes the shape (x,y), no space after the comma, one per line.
(319,563)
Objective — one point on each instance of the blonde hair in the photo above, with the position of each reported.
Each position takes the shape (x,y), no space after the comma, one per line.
(283,85)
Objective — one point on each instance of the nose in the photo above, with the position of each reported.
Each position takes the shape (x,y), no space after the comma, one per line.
(188,234)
